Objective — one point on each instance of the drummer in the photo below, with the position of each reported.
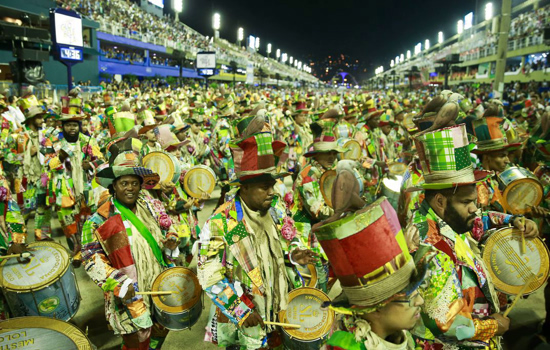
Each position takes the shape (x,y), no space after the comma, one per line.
(244,247)
(378,305)
(125,245)
(150,132)
(310,206)
(447,220)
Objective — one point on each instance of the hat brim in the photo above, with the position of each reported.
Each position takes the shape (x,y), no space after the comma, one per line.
(258,178)
(71,118)
(144,129)
(479,176)
(337,149)
(509,147)
(107,176)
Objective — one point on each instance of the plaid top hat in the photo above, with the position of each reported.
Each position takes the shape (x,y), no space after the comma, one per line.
(71,107)
(445,158)
(300,107)
(149,122)
(387,118)
(124,160)
(369,256)
(119,122)
(325,140)
(370,110)
(167,139)
(34,111)
(257,156)
(490,135)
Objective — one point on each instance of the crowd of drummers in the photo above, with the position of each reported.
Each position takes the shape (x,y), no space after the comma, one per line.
(345,219)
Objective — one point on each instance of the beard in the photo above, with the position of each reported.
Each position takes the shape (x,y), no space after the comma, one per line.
(458,223)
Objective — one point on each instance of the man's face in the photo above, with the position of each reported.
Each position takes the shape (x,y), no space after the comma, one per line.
(151,135)
(258,196)
(398,316)
(127,189)
(373,122)
(326,159)
(181,135)
(196,127)
(71,129)
(300,119)
(85,125)
(460,211)
(38,121)
(497,161)
(386,129)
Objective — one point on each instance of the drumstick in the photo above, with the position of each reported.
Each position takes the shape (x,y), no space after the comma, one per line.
(160,292)
(523,236)
(518,296)
(23,255)
(305,275)
(285,325)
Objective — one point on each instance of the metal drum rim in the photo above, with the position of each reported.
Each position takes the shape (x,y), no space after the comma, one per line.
(490,242)
(326,175)
(48,323)
(188,175)
(347,143)
(175,309)
(164,154)
(321,295)
(513,184)
(19,289)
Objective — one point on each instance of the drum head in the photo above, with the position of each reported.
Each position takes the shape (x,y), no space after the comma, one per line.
(198,180)
(304,308)
(162,164)
(49,262)
(353,150)
(397,168)
(509,268)
(326,182)
(309,274)
(182,281)
(520,195)
(36,332)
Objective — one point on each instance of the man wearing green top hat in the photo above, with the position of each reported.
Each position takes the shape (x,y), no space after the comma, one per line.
(126,244)
(462,308)
(245,246)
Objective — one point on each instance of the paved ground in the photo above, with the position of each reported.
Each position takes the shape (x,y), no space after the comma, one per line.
(90,317)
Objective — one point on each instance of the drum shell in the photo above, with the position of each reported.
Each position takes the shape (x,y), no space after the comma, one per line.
(354,151)
(189,184)
(177,166)
(390,191)
(62,291)
(69,299)
(181,320)
(298,344)
(511,177)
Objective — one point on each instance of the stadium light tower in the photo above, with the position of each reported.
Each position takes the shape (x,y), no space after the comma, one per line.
(488,11)
(240,35)
(427,44)
(257,44)
(216,23)
(408,54)
(291,60)
(178,6)
(440,37)
(402,58)
(268,49)
(460,26)
(284,57)
(278,53)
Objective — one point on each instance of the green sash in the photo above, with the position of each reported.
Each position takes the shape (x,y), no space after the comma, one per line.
(129,215)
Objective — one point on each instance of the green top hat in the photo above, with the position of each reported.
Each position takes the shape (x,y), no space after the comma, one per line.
(490,135)
(445,158)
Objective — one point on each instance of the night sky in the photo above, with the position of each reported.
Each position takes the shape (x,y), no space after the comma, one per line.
(371,31)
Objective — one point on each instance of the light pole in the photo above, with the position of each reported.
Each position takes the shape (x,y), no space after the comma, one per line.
(178,8)
(257,43)
(216,24)
(278,54)
(240,36)
(268,49)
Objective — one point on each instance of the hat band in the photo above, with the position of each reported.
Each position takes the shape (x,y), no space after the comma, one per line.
(256,172)
(378,292)
(451,176)
(492,144)
(325,146)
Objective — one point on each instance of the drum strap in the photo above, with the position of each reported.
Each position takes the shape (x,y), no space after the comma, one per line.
(142,229)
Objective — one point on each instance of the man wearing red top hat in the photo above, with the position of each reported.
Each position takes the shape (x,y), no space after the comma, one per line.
(244,248)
